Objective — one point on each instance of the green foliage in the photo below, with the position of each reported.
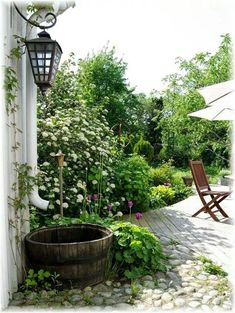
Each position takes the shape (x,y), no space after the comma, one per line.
(214,269)
(161,174)
(102,82)
(161,196)
(187,138)
(137,252)
(181,192)
(223,286)
(210,267)
(40,280)
(22,186)
(87,144)
(11,86)
(144,148)
(132,182)
(135,289)
(88,299)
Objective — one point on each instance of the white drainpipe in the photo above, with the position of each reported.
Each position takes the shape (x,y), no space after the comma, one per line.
(31,116)
(31,138)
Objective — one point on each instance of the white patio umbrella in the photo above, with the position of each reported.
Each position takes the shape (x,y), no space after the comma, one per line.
(220,101)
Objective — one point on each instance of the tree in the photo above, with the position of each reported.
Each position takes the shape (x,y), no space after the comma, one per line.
(184,137)
(102,83)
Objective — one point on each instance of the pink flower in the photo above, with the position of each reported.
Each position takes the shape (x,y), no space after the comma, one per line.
(89,197)
(138,216)
(110,206)
(94,197)
(130,204)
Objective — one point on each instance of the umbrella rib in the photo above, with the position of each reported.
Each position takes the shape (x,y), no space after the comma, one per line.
(220,97)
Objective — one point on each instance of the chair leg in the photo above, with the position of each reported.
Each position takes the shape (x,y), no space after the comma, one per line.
(219,207)
(208,209)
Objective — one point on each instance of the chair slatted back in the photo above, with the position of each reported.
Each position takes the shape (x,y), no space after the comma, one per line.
(199,175)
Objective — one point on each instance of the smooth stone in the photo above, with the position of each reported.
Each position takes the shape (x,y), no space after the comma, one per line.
(166,297)
(189,289)
(213,293)
(175,262)
(198,295)
(147,291)
(67,304)
(34,295)
(160,275)
(17,302)
(202,290)
(128,291)
(195,285)
(18,296)
(108,283)
(216,301)
(185,284)
(98,300)
(148,301)
(205,307)
(179,302)
(88,288)
(122,306)
(179,292)
(157,291)
(162,286)
(173,276)
(157,303)
(206,299)
(101,288)
(188,278)
(156,296)
(110,302)
(168,306)
(194,304)
(202,277)
(105,294)
(75,298)
(189,262)
(149,284)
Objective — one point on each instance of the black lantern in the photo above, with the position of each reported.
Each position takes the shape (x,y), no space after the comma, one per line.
(44,54)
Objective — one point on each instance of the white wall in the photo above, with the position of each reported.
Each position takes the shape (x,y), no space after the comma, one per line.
(10,249)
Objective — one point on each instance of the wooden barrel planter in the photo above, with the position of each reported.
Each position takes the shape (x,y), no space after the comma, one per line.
(78,252)
(188,181)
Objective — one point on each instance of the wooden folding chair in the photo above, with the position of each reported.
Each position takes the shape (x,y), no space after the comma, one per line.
(203,189)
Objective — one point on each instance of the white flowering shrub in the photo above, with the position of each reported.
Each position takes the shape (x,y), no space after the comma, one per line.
(87,142)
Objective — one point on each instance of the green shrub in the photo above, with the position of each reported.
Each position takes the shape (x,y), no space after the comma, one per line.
(40,280)
(132,182)
(210,267)
(144,148)
(181,192)
(87,143)
(161,174)
(161,196)
(137,252)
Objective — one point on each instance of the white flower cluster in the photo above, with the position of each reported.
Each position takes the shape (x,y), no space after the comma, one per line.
(87,143)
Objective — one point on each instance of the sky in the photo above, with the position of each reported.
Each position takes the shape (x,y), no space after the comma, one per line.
(147,34)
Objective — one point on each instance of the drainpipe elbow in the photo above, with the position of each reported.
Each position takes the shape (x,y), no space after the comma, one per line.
(37,201)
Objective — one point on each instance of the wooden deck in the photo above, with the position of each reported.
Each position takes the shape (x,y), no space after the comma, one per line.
(214,239)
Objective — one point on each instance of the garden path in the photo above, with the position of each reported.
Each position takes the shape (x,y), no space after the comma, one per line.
(209,238)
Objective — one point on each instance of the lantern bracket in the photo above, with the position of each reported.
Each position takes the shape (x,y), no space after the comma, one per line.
(35,23)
